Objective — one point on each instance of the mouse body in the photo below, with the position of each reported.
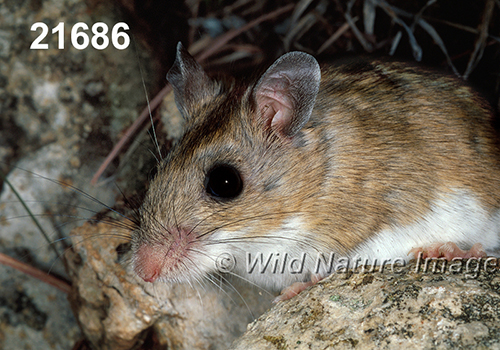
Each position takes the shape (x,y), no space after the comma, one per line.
(363,160)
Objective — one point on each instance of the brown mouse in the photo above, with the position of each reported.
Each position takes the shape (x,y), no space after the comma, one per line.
(365,160)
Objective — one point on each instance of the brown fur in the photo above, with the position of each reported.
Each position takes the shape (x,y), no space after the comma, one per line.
(384,142)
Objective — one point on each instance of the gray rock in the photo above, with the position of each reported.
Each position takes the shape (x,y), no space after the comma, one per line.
(117,310)
(61,111)
(386,310)
(401,308)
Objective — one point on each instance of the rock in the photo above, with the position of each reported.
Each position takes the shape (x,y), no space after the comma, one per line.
(117,310)
(61,110)
(407,309)
(34,315)
(397,308)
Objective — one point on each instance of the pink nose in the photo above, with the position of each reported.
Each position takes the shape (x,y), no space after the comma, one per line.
(148,262)
(152,277)
(166,255)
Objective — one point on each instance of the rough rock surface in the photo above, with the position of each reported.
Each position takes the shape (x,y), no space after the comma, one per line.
(388,310)
(453,306)
(117,310)
(61,110)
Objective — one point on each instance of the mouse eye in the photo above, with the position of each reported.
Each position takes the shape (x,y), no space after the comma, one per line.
(223,181)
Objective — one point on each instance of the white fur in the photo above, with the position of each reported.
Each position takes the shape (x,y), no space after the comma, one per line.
(276,242)
(457,218)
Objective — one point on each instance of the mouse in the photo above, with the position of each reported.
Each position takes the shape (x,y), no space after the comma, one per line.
(364,159)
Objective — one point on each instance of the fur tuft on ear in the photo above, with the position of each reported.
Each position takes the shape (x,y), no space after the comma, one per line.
(191,84)
(286,92)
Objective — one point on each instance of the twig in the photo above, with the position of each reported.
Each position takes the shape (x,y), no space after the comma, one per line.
(34,272)
(481,40)
(299,29)
(215,46)
(35,221)
(391,12)
(220,41)
(357,33)
(131,131)
(439,42)
(338,33)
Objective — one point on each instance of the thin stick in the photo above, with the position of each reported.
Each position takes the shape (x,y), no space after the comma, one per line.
(477,54)
(34,272)
(338,33)
(226,37)
(35,221)
(212,49)
(155,102)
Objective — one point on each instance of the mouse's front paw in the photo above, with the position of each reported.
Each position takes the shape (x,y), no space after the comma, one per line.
(295,288)
(449,251)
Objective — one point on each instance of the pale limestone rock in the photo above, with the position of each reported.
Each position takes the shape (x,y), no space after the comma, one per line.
(401,309)
(405,310)
(116,310)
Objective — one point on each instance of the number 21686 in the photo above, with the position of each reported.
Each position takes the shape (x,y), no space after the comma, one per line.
(80,39)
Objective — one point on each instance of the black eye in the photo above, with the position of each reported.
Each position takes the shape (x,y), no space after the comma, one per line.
(223,181)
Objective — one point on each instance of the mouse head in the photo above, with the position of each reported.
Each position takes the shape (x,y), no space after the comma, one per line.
(221,188)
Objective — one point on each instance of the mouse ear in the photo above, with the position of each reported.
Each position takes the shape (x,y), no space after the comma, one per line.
(191,84)
(286,92)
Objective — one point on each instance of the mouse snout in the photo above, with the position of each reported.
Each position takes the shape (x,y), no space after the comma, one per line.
(148,263)
(164,255)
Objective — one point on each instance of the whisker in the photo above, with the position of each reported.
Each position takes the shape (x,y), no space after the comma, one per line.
(219,287)
(229,272)
(117,223)
(262,216)
(28,210)
(200,277)
(74,189)
(203,220)
(155,140)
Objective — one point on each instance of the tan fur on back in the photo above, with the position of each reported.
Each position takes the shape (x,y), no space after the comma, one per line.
(389,154)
